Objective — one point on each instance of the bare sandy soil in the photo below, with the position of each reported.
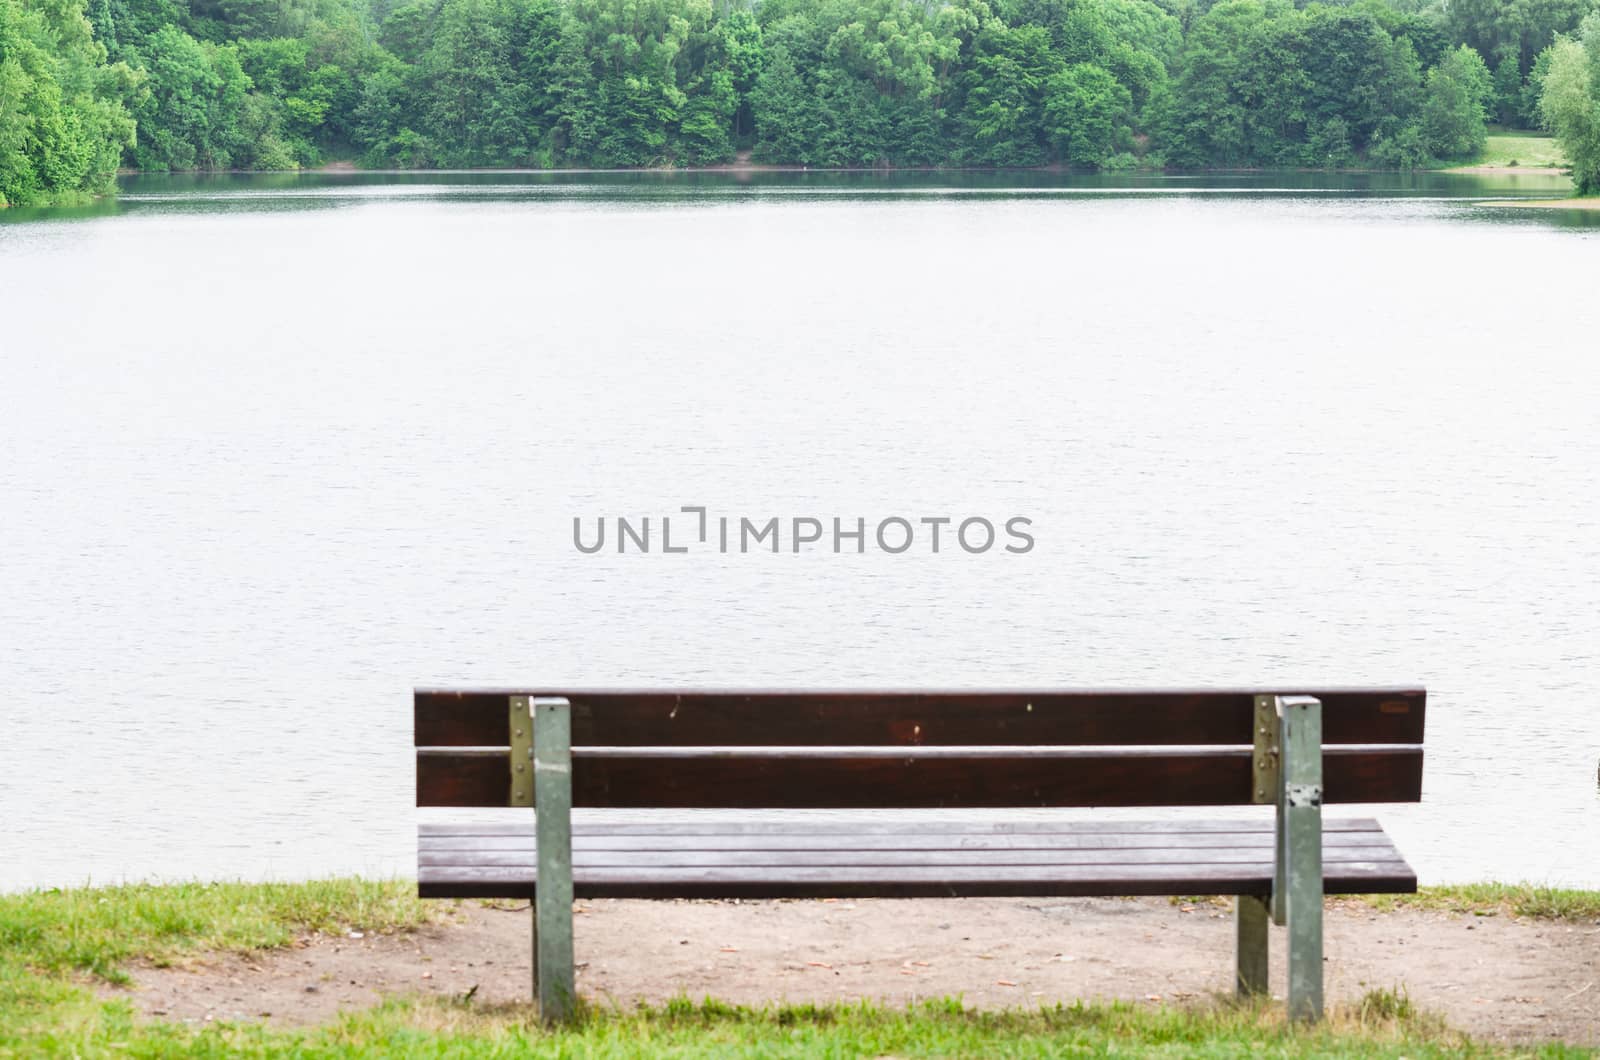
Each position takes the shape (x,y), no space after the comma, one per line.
(1495,977)
(1589,203)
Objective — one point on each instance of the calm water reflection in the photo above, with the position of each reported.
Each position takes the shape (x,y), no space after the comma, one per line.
(277,448)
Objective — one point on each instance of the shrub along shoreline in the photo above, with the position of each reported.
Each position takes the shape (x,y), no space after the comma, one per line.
(1505,152)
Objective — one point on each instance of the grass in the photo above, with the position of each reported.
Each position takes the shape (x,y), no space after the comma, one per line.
(1529,900)
(55,944)
(1520,150)
(1384,1026)
(1494,899)
(96,930)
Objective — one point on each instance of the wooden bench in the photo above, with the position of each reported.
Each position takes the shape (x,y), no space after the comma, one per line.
(787,755)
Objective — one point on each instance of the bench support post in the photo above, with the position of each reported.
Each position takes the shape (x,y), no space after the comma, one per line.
(1251,918)
(1254,912)
(553,978)
(1298,891)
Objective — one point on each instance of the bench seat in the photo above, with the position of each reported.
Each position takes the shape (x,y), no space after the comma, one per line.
(863,854)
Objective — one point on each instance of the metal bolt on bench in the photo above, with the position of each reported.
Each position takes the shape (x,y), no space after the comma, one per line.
(786,755)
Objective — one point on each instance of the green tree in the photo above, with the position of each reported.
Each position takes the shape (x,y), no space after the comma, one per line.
(1519,29)
(1570,102)
(1144,27)
(406,32)
(1078,30)
(742,53)
(1003,117)
(706,122)
(63,123)
(278,83)
(1457,96)
(1356,76)
(380,115)
(1084,109)
(1505,107)
(1528,102)
(462,75)
(527,113)
(197,94)
(1241,95)
(783,111)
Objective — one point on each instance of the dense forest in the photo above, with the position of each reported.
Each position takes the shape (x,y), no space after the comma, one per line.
(86,85)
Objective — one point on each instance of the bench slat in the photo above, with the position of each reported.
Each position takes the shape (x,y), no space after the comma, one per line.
(591,824)
(1180,778)
(446,718)
(592,845)
(952,882)
(1194,857)
(647,859)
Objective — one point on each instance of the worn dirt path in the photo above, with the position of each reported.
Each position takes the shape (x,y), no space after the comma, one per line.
(1495,977)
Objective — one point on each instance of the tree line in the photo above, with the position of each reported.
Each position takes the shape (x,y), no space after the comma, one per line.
(1103,84)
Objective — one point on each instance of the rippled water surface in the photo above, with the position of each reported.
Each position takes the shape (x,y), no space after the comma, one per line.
(273,450)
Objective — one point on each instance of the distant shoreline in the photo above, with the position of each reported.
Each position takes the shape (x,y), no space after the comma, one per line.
(1589,202)
(346,166)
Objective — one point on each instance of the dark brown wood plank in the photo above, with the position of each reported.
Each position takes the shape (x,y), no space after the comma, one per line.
(1180,778)
(1010,717)
(897,754)
(463,780)
(1051,751)
(1013,881)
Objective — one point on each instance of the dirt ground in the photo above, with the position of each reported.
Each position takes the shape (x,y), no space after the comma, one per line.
(1495,977)
(1590,203)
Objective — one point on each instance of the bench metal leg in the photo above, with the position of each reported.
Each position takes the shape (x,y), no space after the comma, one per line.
(1251,921)
(552,911)
(1300,851)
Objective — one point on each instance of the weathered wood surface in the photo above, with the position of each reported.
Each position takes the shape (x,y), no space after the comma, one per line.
(855,882)
(924,858)
(1251,917)
(618,777)
(999,847)
(1024,717)
(844,826)
(783,860)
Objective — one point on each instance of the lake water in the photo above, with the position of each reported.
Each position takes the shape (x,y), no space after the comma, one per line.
(275,449)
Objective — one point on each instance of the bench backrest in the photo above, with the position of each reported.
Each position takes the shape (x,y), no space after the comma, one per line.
(911,749)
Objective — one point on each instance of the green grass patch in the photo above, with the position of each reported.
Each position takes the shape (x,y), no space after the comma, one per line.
(1383,1028)
(1521,150)
(96,930)
(1495,899)
(1529,900)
